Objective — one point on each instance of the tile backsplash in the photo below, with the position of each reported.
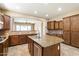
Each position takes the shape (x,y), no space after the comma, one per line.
(55,32)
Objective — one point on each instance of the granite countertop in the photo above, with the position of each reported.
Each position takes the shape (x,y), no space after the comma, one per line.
(46,40)
(23,33)
(5,37)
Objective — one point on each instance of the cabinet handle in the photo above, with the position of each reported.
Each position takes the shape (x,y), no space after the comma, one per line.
(58,47)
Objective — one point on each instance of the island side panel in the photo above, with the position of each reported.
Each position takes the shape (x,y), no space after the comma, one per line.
(53,50)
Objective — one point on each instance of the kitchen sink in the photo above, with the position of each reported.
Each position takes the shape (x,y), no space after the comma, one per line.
(2,38)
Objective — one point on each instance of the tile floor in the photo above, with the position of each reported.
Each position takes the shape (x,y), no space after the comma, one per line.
(22,50)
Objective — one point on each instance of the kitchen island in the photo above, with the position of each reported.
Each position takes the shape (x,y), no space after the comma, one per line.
(44,46)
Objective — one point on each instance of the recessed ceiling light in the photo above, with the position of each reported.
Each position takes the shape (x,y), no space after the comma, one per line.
(59,9)
(35,12)
(46,15)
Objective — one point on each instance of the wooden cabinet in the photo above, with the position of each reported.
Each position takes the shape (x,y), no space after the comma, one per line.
(22,39)
(30,47)
(50,25)
(17,39)
(53,50)
(37,50)
(66,37)
(71,30)
(6,22)
(75,39)
(4,48)
(61,25)
(1,50)
(75,23)
(67,29)
(56,25)
(14,40)
(66,24)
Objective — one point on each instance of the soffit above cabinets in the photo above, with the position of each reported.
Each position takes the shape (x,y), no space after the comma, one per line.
(43,10)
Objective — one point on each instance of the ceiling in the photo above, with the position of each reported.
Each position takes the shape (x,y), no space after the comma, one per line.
(44,10)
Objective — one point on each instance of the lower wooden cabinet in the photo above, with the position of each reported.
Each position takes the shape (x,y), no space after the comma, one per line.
(66,37)
(30,47)
(1,50)
(14,40)
(75,39)
(37,50)
(22,39)
(53,50)
(17,39)
(4,48)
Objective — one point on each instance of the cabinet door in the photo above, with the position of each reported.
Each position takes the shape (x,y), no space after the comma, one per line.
(53,50)
(66,37)
(75,23)
(52,25)
(14,40)
(5,48)
(56,25)
(66,24)
(61,25)
(6,20)
(22,39)
(75,39)
(1,50)
(30,46)
(37,50)
(48,25)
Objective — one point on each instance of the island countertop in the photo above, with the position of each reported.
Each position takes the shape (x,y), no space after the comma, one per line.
(46,40)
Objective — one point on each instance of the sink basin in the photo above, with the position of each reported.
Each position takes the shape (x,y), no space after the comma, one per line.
(2,38)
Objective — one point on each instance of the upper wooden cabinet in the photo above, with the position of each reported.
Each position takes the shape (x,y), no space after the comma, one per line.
(60,24)
(50,25)
(54,25)
(75,23)
(6,22)
(66,24)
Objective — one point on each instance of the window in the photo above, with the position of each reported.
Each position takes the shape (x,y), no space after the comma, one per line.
(23,27)
(17,27)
